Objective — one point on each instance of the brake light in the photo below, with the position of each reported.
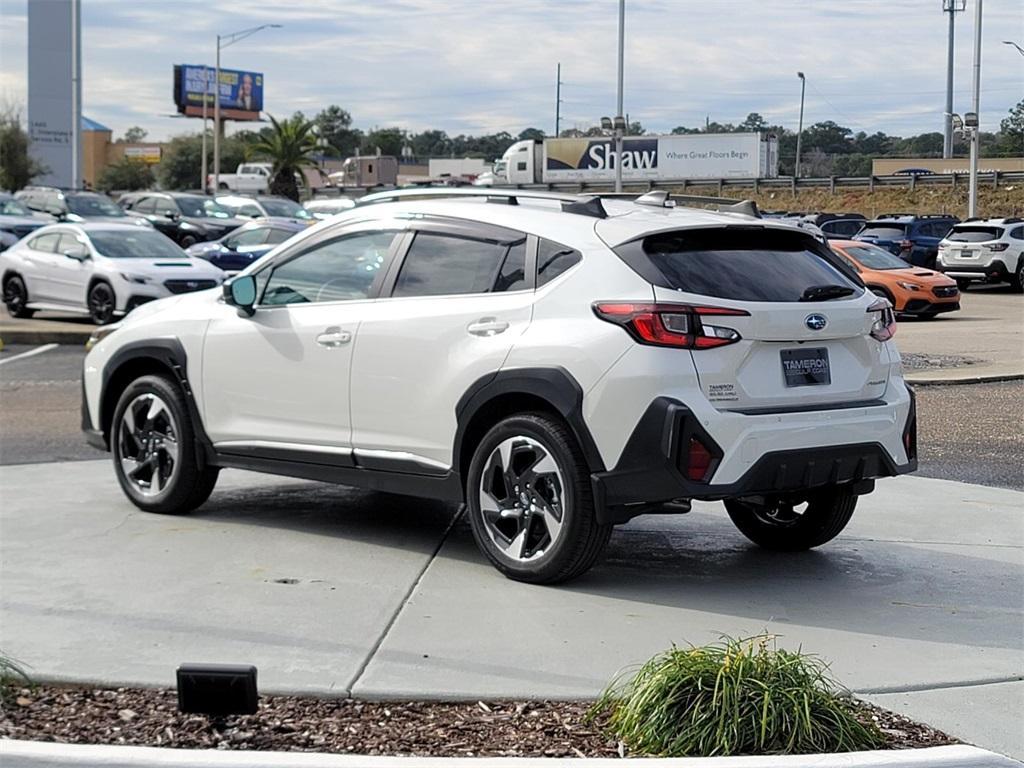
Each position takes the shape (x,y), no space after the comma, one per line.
(998,246)
(671,325)
(884,328)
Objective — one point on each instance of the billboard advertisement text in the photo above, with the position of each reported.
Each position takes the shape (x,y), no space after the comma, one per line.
(238,90)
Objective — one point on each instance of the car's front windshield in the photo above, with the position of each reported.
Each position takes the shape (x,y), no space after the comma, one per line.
(135,244)
(11,207)
(873,257)
(202,207)
(287,208)
(93,205)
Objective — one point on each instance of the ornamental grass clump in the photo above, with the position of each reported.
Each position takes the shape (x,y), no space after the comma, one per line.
(12,677)
(735,697)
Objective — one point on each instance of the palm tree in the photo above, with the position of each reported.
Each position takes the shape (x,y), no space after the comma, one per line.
(289,145)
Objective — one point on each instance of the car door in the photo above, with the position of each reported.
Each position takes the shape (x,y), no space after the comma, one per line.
(38,272)
(71,269)
(244,245)
(276,384)
(455,305)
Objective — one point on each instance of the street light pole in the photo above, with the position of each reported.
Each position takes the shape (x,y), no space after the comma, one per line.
(972,202)
(952,7)
(558,99)
(618,114)
(800,128)
(206,98)
(231,39)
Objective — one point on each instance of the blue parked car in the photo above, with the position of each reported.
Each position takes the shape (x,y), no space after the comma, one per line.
(241,247)
(913,238)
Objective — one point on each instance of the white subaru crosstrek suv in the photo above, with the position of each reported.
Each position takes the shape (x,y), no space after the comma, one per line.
(558,364)
(100,269)
(984,250)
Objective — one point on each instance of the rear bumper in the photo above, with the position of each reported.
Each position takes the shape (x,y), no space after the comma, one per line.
(926,307)
(995,271)
(652,469)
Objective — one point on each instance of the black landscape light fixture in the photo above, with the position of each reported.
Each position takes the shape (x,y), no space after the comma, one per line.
(217,689)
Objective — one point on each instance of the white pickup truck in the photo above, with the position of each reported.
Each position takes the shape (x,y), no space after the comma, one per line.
(249,178)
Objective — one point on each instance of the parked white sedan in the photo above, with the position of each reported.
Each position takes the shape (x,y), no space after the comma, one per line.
(103,270)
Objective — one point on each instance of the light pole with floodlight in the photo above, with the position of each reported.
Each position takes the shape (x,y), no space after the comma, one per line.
(223,41)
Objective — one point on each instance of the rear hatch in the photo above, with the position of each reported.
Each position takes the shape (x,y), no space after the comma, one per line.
(796,347)
(969,244)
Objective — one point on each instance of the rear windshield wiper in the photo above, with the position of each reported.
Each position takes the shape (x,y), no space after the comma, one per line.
(826,292)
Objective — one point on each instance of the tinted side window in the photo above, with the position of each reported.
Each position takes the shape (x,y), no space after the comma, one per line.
(1017,234)
(553,259)
(278,236)
(444,265)
(71,244)
(145,205)
(254,236)
(337,270)
(47,243)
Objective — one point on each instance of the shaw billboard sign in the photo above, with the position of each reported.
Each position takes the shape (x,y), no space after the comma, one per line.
(240,93)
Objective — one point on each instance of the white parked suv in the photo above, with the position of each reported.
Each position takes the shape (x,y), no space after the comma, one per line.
(103,270)
(985,250)
(558,364)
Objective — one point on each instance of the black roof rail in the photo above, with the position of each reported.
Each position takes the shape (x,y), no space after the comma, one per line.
(894,215)
(1013,220)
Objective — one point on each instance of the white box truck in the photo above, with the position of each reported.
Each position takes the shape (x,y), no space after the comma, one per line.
(644,158)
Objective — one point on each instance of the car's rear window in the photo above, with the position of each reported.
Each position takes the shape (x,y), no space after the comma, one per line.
(975,234)
(746,265)
(884,231)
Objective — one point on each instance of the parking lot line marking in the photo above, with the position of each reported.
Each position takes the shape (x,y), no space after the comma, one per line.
(30,353)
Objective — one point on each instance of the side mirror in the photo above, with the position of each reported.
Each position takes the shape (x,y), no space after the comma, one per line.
(71,253)
(172,215)
(241,292)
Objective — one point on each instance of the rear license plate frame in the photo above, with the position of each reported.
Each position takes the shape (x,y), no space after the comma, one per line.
(802,367)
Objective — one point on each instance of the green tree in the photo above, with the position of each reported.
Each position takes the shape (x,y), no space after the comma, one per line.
(388,140)
(432,143)
(128,174)
(290,148)
(754,122)
(1011,130)
(335,125)
(181,164)
(17,167)
(534,134)
(134,135)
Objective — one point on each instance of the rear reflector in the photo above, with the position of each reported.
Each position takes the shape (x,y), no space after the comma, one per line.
(699,460)
(671,325)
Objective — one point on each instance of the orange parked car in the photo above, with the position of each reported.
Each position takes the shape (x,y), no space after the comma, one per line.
(911,290)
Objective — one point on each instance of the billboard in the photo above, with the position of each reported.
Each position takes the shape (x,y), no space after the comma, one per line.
(239,92)
(694,156)
(55,90)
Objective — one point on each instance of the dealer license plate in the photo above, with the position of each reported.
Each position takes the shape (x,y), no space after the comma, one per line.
(806,367)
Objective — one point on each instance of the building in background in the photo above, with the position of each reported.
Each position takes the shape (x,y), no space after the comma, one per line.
(100,150)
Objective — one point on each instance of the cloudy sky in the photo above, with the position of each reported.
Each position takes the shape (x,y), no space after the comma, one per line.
(472,66)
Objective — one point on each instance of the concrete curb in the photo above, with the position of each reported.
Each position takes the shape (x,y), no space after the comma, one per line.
(35,754)
(985,378)
(27,336)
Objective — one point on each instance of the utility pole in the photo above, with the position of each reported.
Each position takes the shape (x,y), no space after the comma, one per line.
(972,204)
(558,99)
(800,129)
(952,7)
(216,126)
(203,173)
(618,114)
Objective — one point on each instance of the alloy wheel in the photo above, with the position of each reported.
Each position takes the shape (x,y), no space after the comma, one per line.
(148,444)
(522,498)
(101,303)
(14,296)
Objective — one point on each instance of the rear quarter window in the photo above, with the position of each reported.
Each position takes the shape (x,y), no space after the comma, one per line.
(884,231)
(745,265)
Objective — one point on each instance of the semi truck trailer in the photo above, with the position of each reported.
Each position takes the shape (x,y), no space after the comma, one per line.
(644,158)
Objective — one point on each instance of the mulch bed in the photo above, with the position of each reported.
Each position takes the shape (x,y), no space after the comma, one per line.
(499,729)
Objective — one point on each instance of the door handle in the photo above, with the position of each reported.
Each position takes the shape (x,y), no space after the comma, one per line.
(333,337)
(487,326)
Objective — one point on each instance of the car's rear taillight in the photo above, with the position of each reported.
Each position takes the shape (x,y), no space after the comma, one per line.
(699,460)
(884,327)
(671,325)
(998,246)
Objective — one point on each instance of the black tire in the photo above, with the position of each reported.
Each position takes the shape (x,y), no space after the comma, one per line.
(963,284)
(16,297)
(774,524)
(1017,278)
(222,186)
(102,303)
(187,241)
(580,538)
(188,482)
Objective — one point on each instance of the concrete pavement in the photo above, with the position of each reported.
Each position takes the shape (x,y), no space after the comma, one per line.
(334,591)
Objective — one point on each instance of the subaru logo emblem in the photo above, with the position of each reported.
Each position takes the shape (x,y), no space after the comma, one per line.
(815,322)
